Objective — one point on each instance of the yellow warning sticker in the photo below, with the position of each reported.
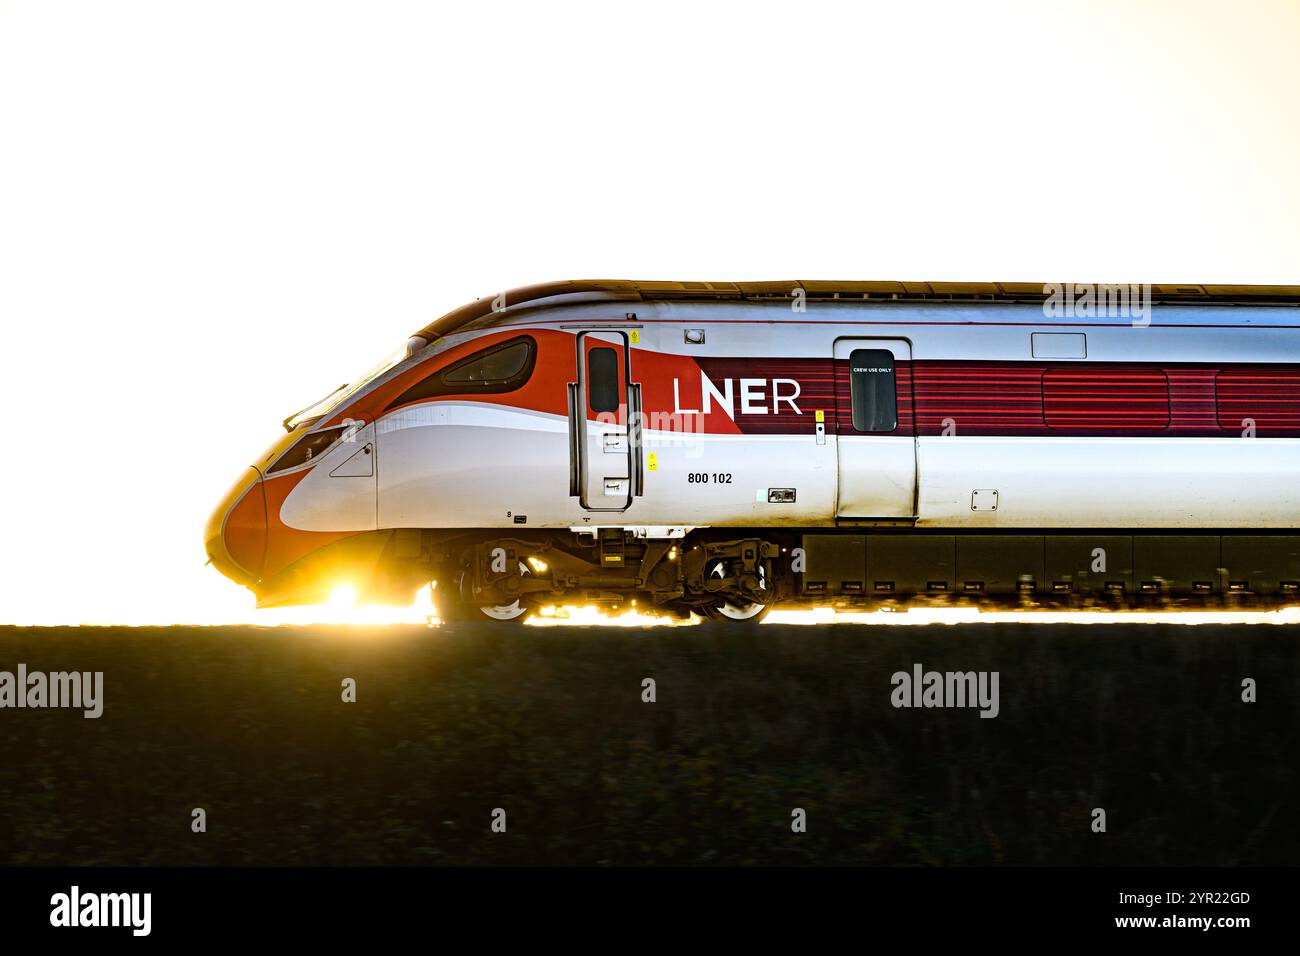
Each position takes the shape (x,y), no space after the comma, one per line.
(821,415)
(652,462)
(635,336)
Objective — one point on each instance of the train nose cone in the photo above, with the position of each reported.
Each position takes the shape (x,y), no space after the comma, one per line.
(235,535)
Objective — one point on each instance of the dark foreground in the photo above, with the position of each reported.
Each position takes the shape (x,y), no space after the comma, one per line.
(548,724)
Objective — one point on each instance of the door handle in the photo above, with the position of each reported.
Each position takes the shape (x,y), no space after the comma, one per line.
(575,444)
(635,437)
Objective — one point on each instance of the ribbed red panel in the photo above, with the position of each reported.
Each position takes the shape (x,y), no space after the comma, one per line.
(1267,396)
(977,398)
(1022,398)
(1016,398)
(1101,398)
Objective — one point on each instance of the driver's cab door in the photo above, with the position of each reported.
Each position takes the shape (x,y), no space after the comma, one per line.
(604,423)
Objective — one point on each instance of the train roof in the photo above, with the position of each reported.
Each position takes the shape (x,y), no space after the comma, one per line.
(969,293)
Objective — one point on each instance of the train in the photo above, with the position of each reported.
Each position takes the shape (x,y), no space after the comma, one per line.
(720,449)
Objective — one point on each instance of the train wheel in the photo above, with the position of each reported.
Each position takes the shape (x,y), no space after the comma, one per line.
(458,609)
(751,611)
(727,611)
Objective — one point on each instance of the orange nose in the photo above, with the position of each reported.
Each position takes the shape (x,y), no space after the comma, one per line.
(236,533)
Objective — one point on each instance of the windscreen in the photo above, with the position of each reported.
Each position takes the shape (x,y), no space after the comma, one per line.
(343,393)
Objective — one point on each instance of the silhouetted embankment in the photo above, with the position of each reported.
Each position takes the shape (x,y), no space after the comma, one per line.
(548,724)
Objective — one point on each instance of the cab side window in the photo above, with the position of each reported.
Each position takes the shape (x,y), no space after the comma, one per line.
(306,448)
(502,367)
(602,380)
(871,383)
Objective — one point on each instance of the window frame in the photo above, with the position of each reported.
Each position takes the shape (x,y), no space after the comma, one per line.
(853,392)
(614,388)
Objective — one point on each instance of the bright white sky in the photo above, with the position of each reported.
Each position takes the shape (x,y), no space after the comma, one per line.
(213,213)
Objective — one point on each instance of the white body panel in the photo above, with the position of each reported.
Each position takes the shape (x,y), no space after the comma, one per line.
(1111,482)
(750,466)
(344,500)
(470,465)
(440,467)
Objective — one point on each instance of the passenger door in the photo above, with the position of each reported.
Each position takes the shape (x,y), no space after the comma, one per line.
(876,442)
(604,424)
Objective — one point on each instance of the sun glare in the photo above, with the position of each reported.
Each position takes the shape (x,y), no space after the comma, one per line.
(343,598)
(923,615)
(342,609)
(590,614)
